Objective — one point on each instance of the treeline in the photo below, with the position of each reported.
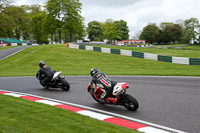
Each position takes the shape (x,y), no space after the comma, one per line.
(57,21)
(183,31)
(110,30)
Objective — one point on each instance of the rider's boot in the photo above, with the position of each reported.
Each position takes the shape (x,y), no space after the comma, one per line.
(111,100)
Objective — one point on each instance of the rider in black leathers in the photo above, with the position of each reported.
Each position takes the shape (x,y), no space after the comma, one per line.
(45,71)
(103,82)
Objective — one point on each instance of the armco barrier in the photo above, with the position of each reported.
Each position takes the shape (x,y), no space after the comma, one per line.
(21,44)
(18,44)
(164,58)
(149,56)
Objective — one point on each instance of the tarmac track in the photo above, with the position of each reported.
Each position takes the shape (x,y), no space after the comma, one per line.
(167,101)
(8,52)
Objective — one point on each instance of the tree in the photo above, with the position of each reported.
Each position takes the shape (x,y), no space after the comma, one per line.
(65,15)
(171,33)
(177,33)
(192,29)
(122,30)
(185,38)
(13,19)
(4,4)
(165,33)
(150,33)
(109,30)
(74,26)
(37,18)
(95,31)
(4,31)
(50,26)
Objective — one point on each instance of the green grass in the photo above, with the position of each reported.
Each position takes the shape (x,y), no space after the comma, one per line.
(168,52)
(192,47)
(172,45)
(79,62)
(23,116)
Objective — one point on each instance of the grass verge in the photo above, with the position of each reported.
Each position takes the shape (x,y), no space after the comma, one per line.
(79,62)
(22,116)
(192,47)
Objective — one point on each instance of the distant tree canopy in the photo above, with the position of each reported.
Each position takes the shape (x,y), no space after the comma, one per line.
(95,31)
(110,30)
(122,30)
(59,20)
(183,32)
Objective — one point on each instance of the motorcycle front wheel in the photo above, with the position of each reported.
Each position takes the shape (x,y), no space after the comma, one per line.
(130,102)
(91,92)
(65,85)
(45,86)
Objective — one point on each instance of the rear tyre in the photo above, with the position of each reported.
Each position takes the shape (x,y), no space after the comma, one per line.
(65,85)
(130,102)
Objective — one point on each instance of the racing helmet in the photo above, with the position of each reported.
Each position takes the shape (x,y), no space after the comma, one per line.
(93,71)
(41,64)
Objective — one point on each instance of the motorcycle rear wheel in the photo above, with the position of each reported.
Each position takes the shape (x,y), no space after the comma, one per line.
(65,85)
(130,102)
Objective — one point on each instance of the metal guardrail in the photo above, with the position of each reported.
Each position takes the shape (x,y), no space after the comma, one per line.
(17,44)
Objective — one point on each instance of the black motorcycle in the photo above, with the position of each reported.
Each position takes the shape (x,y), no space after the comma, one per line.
(57,80)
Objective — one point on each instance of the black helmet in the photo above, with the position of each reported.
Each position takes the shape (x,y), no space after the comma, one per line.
(93,71)
(41,64)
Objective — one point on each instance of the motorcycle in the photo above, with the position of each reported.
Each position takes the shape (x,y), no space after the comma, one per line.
(119,92)
(57,80)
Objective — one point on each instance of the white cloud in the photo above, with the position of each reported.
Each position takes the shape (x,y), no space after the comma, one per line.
(30,2)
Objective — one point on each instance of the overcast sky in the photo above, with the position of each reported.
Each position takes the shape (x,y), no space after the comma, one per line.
(137,13)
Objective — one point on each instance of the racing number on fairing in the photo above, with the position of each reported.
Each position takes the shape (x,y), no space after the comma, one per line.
(105,81)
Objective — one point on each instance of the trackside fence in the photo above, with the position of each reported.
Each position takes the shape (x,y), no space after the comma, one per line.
(150,56)
(18,44)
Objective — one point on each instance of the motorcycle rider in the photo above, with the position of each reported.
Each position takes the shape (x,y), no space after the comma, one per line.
(104,83)
(47,72)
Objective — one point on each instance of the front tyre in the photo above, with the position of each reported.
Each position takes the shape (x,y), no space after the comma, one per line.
(130,102)
(65,85)
(91,93)
(45,86)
